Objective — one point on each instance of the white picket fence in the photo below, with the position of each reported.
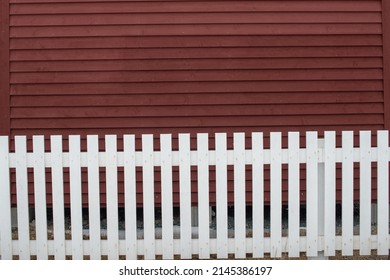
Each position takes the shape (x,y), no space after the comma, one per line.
(319,158)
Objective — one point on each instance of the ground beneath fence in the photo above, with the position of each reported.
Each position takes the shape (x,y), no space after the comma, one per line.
(212,227)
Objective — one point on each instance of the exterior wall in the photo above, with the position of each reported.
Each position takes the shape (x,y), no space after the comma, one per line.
(100,67)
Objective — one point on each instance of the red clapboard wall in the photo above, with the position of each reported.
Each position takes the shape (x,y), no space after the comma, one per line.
(102,67)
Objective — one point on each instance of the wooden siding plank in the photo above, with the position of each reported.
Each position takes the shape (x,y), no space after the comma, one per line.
(201,76)
(197,30)
(148,197)
(130,197)
(383,193)
(166,194)
(76,213)
(94,197)
(185,53)
(194,18)
(329,100)
(197,87)
(5,206)
(221,195)
(196,64)
(293,195)
(192,6)
(239,195)
(54,112)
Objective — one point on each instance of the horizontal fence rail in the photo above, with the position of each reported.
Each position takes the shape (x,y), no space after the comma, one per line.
(277,230)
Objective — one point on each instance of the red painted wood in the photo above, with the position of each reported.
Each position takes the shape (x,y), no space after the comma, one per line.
(194,18)
(196,75)
(193,99)
(197,30)
(194,6)
(129,42)
(195,53)
(386,60)
(4,69)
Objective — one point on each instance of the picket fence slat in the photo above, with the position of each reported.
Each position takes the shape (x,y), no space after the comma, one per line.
(112,196)
(347,193)
(76,214)
(185,197)
(293,194)
(130,197)
(276,194)
(245,232)
(40,197)
(203,196)
(330,193)
(166,195)
(5,205)
(312,194)
(383,193)
(22,198)
(94,196)
(221,194)
(365,193)
(58,197)
(239,195)
(257,195)
(148,197)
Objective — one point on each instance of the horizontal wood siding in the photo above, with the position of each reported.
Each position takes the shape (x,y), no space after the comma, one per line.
(101,67)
